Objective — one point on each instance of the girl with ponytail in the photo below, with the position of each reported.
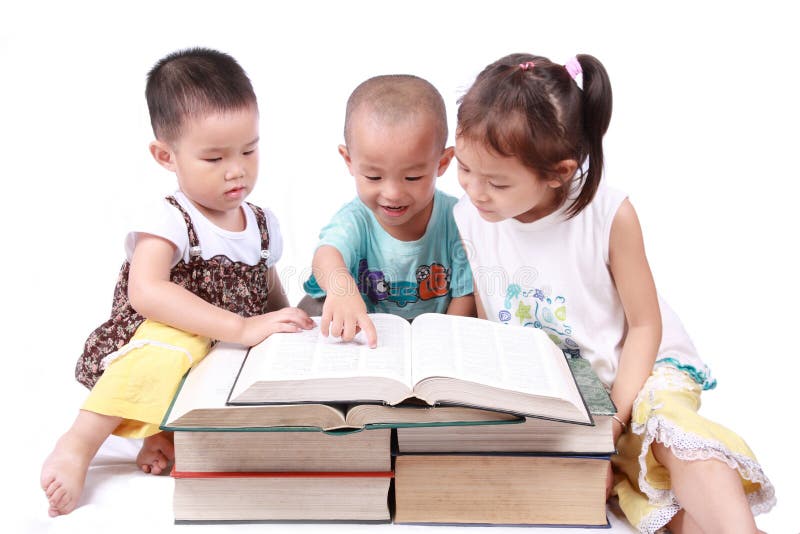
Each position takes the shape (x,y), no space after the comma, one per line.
(552,247)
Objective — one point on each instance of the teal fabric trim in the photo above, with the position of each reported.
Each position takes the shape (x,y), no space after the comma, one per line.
(701,377)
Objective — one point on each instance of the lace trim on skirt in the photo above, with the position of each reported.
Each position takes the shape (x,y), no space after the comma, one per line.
(687,446)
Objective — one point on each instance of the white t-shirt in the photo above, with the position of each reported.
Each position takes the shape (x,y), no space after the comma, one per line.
(162,219)
(554,274)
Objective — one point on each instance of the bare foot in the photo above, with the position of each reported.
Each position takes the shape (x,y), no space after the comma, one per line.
(64,473)
(156,454)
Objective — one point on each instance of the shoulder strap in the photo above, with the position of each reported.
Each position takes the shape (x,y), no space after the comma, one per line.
(194,243)
(261,219)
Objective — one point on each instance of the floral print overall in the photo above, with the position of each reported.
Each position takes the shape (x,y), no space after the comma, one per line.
(232,285)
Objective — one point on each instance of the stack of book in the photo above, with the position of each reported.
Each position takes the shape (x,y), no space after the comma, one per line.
(299,428)
(270,463)
(281,476)
(539,472)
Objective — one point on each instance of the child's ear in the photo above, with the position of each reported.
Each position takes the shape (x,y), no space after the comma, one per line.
(565,170)
(444,160)
(163,154)
(346,157)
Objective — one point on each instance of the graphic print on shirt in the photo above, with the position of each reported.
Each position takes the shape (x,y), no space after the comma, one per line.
(373,284)
(433,281)
(538,309)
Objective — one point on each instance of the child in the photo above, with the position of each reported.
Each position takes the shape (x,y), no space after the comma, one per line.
(566,255)
(395,248)
(200,268)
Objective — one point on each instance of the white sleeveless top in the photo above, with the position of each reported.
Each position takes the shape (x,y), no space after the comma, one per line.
(554,274)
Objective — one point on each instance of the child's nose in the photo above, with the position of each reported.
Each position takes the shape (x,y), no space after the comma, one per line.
(393,190)
(476,189)
(234,172)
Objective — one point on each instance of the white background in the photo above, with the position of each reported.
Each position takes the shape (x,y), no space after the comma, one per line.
(702,137)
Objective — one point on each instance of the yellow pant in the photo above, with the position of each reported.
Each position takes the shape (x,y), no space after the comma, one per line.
(666,411)
(141,378)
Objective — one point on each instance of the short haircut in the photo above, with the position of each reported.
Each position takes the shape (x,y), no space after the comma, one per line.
(396,97)
(192,82)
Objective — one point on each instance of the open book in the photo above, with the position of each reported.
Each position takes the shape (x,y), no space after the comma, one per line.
(200,404)
(439,360)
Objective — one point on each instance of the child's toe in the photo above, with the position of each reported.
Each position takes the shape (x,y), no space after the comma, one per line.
(59,499)
(51,488)
(46,481)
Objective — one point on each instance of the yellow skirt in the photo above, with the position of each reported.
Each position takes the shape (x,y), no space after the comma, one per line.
(141,378)
(666,411)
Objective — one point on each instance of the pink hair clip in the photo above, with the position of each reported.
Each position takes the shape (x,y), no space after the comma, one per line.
(573,66)
(528,65)
(575,71)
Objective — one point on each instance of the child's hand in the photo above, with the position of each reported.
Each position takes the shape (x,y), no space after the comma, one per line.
(344,315)
(257,328)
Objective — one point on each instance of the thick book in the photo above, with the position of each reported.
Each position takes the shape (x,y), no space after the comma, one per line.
(245,497)
(534,435)
(201,404)
(439,360)
(282,451)
(501,490)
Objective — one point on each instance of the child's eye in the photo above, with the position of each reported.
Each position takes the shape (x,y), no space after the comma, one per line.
(496,186)
(249,152)
(463,169)
(413,178)
(372,177)
(212,160)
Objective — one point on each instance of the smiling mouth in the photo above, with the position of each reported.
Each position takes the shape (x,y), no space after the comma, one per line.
(394,211)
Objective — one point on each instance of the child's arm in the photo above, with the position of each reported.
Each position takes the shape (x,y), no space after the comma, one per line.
(276,296)
(637,292)
(461,279)
(152,294)
(344,310)
(464,305)
(479,305)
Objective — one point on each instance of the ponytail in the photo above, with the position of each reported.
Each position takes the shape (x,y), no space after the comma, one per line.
(597,101)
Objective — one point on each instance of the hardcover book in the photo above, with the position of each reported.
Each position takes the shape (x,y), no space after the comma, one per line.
(533,435)
(201,404)
(440,360)
(282,451)
(241,496)
(501,489)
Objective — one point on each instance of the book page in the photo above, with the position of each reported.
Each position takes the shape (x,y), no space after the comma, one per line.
(480,351)
(309,355)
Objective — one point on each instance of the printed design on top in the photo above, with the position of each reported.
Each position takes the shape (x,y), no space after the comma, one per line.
(537,308)
(432,281)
